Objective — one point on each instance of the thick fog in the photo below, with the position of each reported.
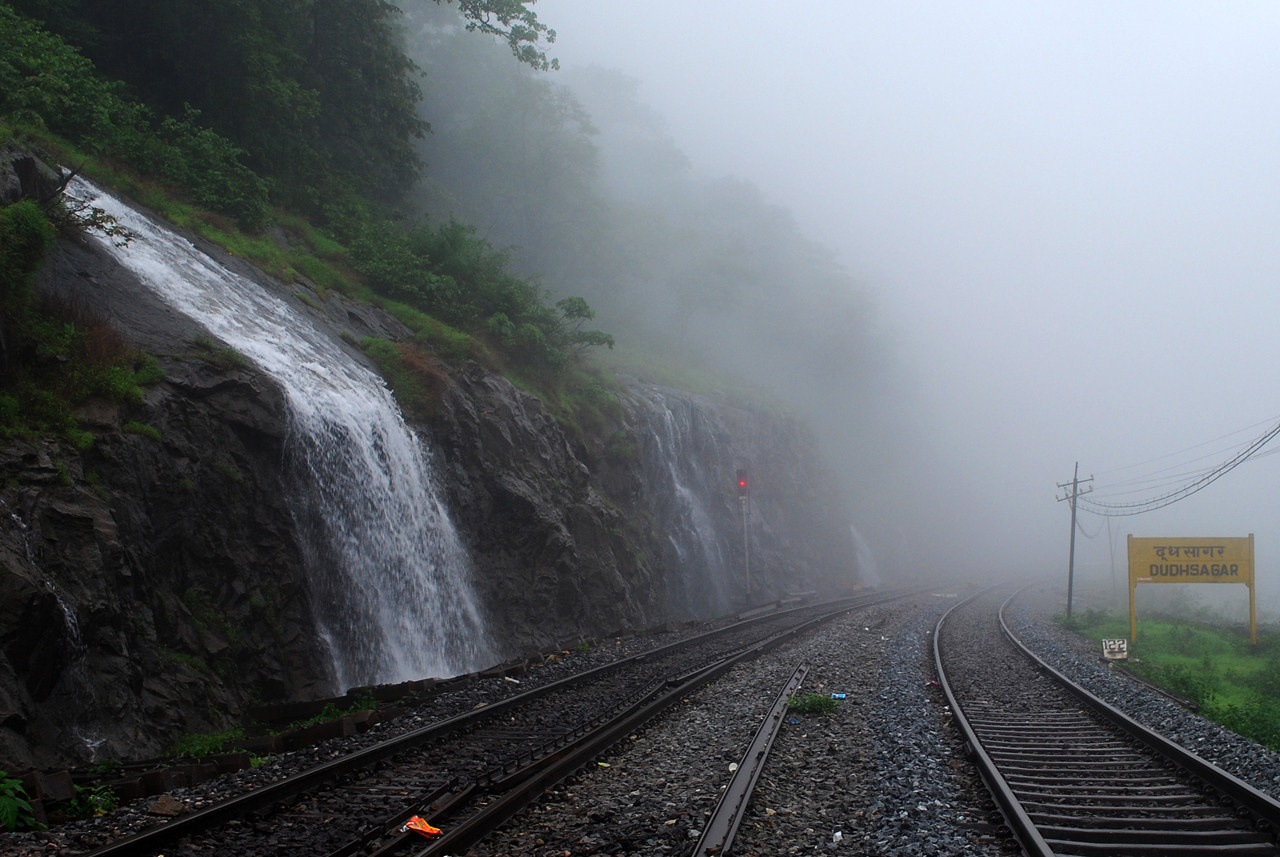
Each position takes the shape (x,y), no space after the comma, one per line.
(1062,218)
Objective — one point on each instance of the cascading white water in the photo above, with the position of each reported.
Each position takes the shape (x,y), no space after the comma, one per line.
(73,681)
(69,617)
(704,570)
(390,577)
(868,571)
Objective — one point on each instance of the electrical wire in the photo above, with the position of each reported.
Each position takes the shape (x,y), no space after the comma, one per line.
(1080,527)
(1248,428)
(1168,478)
(1202,479)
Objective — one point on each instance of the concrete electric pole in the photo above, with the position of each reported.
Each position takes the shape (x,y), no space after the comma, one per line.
(1073,495)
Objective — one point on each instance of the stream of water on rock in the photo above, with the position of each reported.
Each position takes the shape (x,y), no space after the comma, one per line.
(686,458)
(73,685)
(390,578)
(867,570)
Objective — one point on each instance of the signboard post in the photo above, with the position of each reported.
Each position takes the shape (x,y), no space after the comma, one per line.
(1191,560)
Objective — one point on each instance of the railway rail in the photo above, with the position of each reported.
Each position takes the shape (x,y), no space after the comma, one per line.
(722,826)
(1071,774)
(468,773)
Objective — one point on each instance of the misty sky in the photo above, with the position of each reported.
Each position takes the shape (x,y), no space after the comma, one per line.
(1069,211)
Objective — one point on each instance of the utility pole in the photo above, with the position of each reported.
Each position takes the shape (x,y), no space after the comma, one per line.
(1072,495)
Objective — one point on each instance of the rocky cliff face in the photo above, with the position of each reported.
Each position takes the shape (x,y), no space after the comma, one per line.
(641,525)
(155,588)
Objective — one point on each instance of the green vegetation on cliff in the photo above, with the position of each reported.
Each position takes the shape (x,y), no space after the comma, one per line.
(295,134)
(220,113)
(317,95)
(54,357)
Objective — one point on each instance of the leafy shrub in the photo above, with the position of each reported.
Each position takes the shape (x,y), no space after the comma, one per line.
(460,278)
(92,802)
(45,81)
(448,342)
(389,261)
(25,237)
(208,165)
(144,429)
(199,746)
(1257,719)
(15,808)
(416,379)
(1199,686)
(331,711)
(67,357)
(622,446)
(42,79)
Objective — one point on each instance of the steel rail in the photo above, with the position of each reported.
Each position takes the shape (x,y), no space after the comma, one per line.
(241,805)
(1060,821)
(564,763)
(1020,824)
(156,837)
(1262,805)
(721,828)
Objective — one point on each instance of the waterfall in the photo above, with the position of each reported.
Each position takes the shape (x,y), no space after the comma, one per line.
(868,572)
(71,689)
(70,619)
(390,578)
(681,454)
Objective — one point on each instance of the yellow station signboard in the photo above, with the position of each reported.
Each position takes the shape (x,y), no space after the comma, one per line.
(1191,560)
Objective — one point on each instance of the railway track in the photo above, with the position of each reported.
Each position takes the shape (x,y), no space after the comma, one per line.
(455,771)
(1075,776)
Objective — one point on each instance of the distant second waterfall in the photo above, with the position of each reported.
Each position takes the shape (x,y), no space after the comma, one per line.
(390,578)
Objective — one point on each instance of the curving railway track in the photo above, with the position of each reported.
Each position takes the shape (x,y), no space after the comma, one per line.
(468,773)
(598,764)
(1071,774)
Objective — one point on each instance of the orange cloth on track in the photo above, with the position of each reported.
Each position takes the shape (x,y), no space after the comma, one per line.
(420,825)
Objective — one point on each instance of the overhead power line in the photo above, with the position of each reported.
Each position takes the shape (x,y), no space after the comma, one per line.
(1177,453)
(1199,483)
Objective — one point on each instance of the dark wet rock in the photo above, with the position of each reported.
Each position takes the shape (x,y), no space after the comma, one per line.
(151,589)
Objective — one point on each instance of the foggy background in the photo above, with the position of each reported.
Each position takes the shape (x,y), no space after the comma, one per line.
(1064,217)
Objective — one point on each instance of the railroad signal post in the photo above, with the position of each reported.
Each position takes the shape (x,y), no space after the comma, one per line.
(744,505)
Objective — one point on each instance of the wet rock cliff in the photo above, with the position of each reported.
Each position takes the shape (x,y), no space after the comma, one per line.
(155,584)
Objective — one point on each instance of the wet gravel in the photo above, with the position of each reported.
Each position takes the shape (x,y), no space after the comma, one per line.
(80,837)
(882,775)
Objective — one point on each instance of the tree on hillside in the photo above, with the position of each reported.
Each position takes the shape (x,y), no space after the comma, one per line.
(319,93)
(510,150)
(515,23)
(586,185)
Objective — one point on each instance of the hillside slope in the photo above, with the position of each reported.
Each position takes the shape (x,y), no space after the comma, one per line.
(157,582)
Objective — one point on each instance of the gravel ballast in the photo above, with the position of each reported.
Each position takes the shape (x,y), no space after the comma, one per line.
(883,774)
